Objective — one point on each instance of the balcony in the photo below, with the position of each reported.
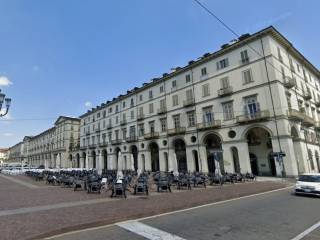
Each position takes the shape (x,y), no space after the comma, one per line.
(151,135)
(140,116)
(116,142)
(290,82)
(254,117)
(188,102)
(317,103)
(162,110)
(97,129)
(176,131)
(307,95)
(296,115)
(123,122)
(103,144)
(308,121)
(132,139)
(83,147)
(87,132)
(92,145)
(109,126)
(225,91)
(209,125)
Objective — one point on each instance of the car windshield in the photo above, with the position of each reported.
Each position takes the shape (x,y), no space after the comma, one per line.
(309,178)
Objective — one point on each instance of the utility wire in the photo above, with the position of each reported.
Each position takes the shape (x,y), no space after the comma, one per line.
(237,35)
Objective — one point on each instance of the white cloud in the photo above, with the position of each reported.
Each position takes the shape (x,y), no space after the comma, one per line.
(8,134)
(88,104)
(4,81)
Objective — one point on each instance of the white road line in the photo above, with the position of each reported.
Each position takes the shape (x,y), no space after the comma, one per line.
(147,231)
(306,232)
(170,213)
(29,185)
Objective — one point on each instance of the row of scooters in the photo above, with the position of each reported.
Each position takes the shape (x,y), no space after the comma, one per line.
(120,182)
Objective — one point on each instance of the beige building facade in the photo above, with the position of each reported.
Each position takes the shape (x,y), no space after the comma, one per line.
(227,111)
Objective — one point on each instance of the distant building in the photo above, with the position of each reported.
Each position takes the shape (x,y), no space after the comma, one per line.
(3,155)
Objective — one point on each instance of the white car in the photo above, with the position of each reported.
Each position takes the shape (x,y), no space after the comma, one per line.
(308,184)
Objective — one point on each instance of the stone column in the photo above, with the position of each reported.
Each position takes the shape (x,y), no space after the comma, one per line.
(203,161)
(244,158)
(99,163)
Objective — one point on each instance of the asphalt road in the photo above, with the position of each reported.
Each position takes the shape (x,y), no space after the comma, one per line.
(276,215)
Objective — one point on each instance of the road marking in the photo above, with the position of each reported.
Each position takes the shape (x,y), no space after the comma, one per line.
(147,231)
(169,213)
(29,185)
(16,211)
(306,232)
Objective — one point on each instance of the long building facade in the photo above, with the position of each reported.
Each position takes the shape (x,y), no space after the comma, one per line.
(230,111)
(53,147)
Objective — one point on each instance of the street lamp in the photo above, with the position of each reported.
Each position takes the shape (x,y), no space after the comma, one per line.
(7,102)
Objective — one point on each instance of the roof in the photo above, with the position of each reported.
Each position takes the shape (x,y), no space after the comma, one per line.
(63,118)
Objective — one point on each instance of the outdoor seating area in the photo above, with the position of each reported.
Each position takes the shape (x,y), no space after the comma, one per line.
(121,183)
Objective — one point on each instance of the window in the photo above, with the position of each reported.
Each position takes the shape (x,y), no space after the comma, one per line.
(208,115)
(150,94)
(162,104)
(141,129)
(104,113)
(175,100)
(124,117)
(117,134)
(283,73)
(251,106)
(191,120)
(163,123)
(131,102)
(203,71)
(228,111)
(174,84)
(189,95)
(161,89)
(117,108)
(151,108)
(141,97)
(222,64)
(110,110)
(98,115)
(188,78)
(279,54)
(176,121)
(224,82)
(244,56)
(247,76)
(205,90)
(298,67)
(123,104)
(291,65)
(151,127)
(117,119)
(141,111)
(132,114)
(124,133)
(132,131)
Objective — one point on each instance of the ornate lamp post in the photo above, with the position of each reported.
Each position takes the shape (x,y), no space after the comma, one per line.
(7,102)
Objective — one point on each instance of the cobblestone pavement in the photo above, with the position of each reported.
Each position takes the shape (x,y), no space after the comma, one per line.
(49,210)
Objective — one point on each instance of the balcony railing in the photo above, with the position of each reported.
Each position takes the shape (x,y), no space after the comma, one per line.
(151,135)
(87,132)
(209,125)
(93,145)
(97,129)
(109,126)
(176,131)
(188,102)
(123,122)
(245,60)
(116,142)
(103,144)
(290,82)
(162,110)
(225,91)
(317,103)
(83,147)
(307,95)
(252,117)
(132,139)
(140,116)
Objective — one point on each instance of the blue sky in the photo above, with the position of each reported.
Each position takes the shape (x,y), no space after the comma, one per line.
(61,56)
